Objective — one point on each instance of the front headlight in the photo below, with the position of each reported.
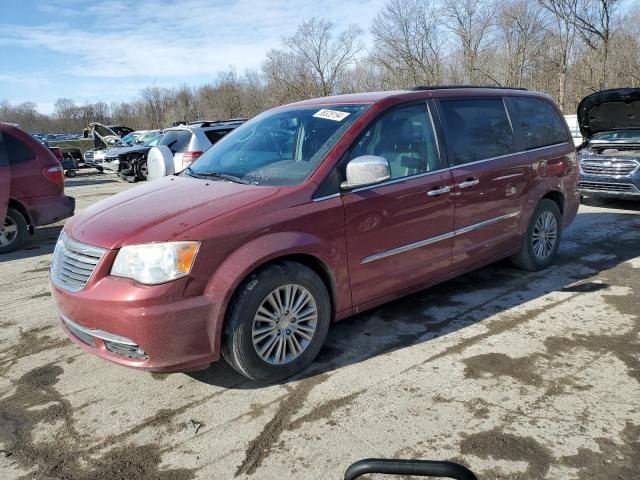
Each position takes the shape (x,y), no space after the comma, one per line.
(155,263)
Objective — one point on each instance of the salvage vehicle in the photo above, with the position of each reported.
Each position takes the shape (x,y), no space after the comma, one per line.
(610,156)
(130,163)
(104,138)
(310,213)
(31,187)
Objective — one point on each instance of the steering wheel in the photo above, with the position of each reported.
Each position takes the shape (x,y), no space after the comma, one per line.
(273,133)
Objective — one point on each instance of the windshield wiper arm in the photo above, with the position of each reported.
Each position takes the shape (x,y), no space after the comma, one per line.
(224,176)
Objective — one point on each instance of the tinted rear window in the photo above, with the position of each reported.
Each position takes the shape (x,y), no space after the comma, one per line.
(17,151)
(537,123)
(177,140)
(3,153)
(476,129)
(215,135)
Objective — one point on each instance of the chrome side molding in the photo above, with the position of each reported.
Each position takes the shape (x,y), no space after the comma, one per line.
(438,238)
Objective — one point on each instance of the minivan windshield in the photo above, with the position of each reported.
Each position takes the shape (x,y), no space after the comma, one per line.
(278,147)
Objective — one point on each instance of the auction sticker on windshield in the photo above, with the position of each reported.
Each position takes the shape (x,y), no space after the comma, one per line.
(331,114)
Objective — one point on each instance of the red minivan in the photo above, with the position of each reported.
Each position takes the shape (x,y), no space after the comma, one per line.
(310,213)
(31,187)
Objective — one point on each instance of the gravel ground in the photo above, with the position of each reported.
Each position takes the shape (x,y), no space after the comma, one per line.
(516,375)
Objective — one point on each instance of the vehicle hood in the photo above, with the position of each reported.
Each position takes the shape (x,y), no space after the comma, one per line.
(617,109)
(102,135)
(159,211)
(114,152)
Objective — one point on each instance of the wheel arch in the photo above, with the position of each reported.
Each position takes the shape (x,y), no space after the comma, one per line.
(237,267)
(16,205)
(557,197)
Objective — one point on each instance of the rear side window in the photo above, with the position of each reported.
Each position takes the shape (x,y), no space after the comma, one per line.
(177,140)
(4,161)
(476,129)
(537,122)
(17,151)
(215,135)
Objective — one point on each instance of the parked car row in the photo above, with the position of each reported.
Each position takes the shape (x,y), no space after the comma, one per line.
(127,156)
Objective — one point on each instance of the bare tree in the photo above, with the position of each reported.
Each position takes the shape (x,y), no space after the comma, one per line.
(564,34)
(326,56)
(155,102)
(408,43)
(521,27)
(594,21)
(471,22)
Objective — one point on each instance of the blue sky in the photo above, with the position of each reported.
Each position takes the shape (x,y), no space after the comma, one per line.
(108,50)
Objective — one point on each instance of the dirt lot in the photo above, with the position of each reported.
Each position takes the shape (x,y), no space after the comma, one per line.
(517,375)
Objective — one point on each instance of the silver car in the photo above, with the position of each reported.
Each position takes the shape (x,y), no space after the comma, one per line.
(188,142)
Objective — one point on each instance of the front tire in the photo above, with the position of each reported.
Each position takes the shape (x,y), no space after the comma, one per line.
(13,232)
(277,322)
(542,239)
(142,171)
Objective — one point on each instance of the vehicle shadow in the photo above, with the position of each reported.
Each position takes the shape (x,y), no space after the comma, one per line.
(79,182)
(619,204)
(466,300)
(42,242)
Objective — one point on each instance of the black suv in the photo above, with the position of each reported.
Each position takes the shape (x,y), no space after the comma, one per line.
(610,155)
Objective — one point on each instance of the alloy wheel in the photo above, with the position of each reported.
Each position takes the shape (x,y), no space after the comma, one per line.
(284,324)
(8,232)
(545,235)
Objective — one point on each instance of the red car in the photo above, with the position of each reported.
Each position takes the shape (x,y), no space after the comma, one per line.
(310,213)
(31,187)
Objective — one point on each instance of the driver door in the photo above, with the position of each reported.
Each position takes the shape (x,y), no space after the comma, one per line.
(399,232)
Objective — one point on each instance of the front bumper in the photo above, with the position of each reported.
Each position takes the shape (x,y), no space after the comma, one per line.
(610,186)
(148,328)
(113,165)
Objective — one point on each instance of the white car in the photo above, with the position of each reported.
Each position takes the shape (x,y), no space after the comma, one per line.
(572,121)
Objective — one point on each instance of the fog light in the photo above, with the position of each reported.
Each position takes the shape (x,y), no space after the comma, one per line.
(131,351)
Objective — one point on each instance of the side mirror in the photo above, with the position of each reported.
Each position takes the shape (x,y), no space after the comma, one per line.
(366,170)
(159,163)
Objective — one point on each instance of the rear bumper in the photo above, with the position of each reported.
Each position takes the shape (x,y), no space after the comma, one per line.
(612,187)
(49,209)
(147,328)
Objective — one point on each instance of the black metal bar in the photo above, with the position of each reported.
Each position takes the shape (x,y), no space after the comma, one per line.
(422,468)
(450,87)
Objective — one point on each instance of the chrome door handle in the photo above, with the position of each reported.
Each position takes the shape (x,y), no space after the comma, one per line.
(438,191)
(469,183)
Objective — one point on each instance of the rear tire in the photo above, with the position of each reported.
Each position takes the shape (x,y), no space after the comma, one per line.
(541,241)
(13,232)
(277,322)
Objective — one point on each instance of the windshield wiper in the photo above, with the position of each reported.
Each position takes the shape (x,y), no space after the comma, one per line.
(224,176)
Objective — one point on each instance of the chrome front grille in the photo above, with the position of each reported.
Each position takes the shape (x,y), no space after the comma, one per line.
(88,156)
(73,263)
(615,167)
(607,187)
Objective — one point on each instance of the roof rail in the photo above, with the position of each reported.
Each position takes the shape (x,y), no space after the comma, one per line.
(222,122)
(446,87)
(208,123)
